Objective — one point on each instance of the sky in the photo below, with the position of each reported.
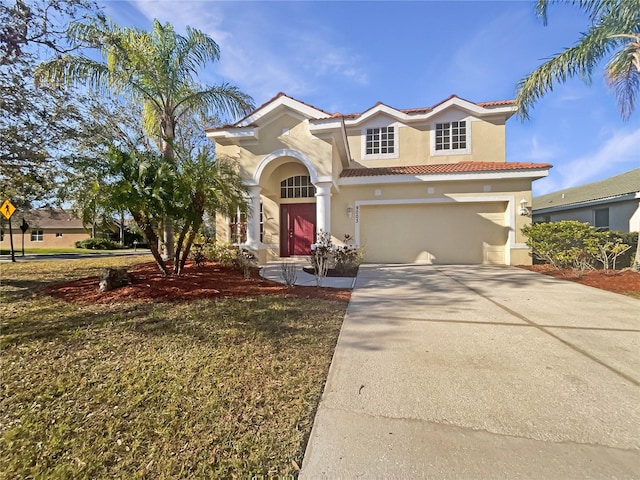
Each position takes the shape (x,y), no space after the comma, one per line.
(346,56)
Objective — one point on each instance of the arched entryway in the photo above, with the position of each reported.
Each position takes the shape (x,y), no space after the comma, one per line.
(294,201)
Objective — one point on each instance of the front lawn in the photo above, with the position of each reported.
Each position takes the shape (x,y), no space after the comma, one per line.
(53,251)
(201,389)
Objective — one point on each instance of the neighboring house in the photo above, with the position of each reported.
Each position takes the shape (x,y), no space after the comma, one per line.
(47,228)
(427,185)
(610,204)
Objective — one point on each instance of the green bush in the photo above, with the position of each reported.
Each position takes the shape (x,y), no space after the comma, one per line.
(578,245)
(98,244)
(221,252)
(347,258)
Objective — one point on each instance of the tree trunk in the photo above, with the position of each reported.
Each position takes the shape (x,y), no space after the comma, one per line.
(176,260)
(167,126)
(152,240)
(187,248)
(122,228)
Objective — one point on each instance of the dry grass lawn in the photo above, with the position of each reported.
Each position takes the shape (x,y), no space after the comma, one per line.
(211,388)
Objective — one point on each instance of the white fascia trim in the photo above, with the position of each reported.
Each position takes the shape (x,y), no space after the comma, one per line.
(406,118)
(295,105)
(472,107)
(510,212)
(328,125)
(444,177)
(589,203)
(392,112)
(235,133)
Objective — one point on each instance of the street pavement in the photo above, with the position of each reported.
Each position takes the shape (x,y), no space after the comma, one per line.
(480,372)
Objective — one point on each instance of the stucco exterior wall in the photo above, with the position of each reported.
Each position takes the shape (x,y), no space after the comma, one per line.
(279,144)
(488,143)
(623,216)
(67,240)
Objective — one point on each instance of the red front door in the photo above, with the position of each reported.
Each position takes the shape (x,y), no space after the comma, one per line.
(297,228)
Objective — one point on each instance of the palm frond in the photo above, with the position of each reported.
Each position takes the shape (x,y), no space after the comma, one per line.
(596,9)
(579,60)
(224,99)
(623,77)
(70,69)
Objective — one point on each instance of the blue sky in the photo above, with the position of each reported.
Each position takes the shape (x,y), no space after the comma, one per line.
(346,56)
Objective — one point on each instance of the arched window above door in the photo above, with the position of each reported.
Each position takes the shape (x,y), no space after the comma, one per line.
(298,186)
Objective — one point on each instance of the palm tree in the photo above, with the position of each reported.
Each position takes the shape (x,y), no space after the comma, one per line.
(614,34)
(157,69)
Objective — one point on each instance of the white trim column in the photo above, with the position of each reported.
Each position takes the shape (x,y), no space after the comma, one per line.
(323,206)
(253,218)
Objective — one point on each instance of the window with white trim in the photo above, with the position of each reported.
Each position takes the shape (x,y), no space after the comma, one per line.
(58,234)
(37,236)
(298,186)
(380,141)
(451,136)
(237,227)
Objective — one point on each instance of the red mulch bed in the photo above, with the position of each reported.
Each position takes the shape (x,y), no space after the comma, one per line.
(209,281)
(614,280)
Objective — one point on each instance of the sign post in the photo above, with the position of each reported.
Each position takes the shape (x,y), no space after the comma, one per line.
(7,210)
(24,227)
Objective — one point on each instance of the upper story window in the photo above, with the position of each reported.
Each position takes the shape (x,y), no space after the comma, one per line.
(451,136)
(380,141)
(299,186)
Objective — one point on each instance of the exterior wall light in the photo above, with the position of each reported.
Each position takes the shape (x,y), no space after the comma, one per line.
(350,210)
(525,209)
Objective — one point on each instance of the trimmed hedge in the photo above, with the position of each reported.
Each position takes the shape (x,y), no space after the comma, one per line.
(98,244)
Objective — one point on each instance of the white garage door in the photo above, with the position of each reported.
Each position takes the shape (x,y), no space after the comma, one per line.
(460,233)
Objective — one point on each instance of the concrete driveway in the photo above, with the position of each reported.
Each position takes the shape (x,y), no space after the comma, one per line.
(480,372)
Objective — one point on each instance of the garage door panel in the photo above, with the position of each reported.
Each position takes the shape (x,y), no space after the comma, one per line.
(468,233)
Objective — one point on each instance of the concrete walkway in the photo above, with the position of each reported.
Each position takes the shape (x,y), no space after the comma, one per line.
(480,372)
(273,271)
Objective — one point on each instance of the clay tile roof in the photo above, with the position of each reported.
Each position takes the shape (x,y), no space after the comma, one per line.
(356,115)
(448,168)
(496,104)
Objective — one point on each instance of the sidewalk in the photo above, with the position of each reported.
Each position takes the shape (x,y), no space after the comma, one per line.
(272,271)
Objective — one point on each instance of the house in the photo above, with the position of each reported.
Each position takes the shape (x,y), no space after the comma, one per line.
(610,204)
(47,229)
(425,185)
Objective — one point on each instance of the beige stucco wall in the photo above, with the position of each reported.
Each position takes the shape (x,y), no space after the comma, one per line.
(414,144)
(489,219)
(286,132)
(68,239)
(623,216)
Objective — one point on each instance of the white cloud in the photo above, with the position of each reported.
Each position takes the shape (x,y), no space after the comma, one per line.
(261,52)
(619,153)
(540,153)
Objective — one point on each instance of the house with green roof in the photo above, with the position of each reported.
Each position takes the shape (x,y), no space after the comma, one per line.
(610,204)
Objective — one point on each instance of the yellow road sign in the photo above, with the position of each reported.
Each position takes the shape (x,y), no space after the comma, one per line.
(7,209)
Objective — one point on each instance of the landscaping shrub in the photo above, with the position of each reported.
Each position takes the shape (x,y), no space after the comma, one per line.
(572,244)
(321,256)
(98,244)
(245,260)
(347,258)
(220,252)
